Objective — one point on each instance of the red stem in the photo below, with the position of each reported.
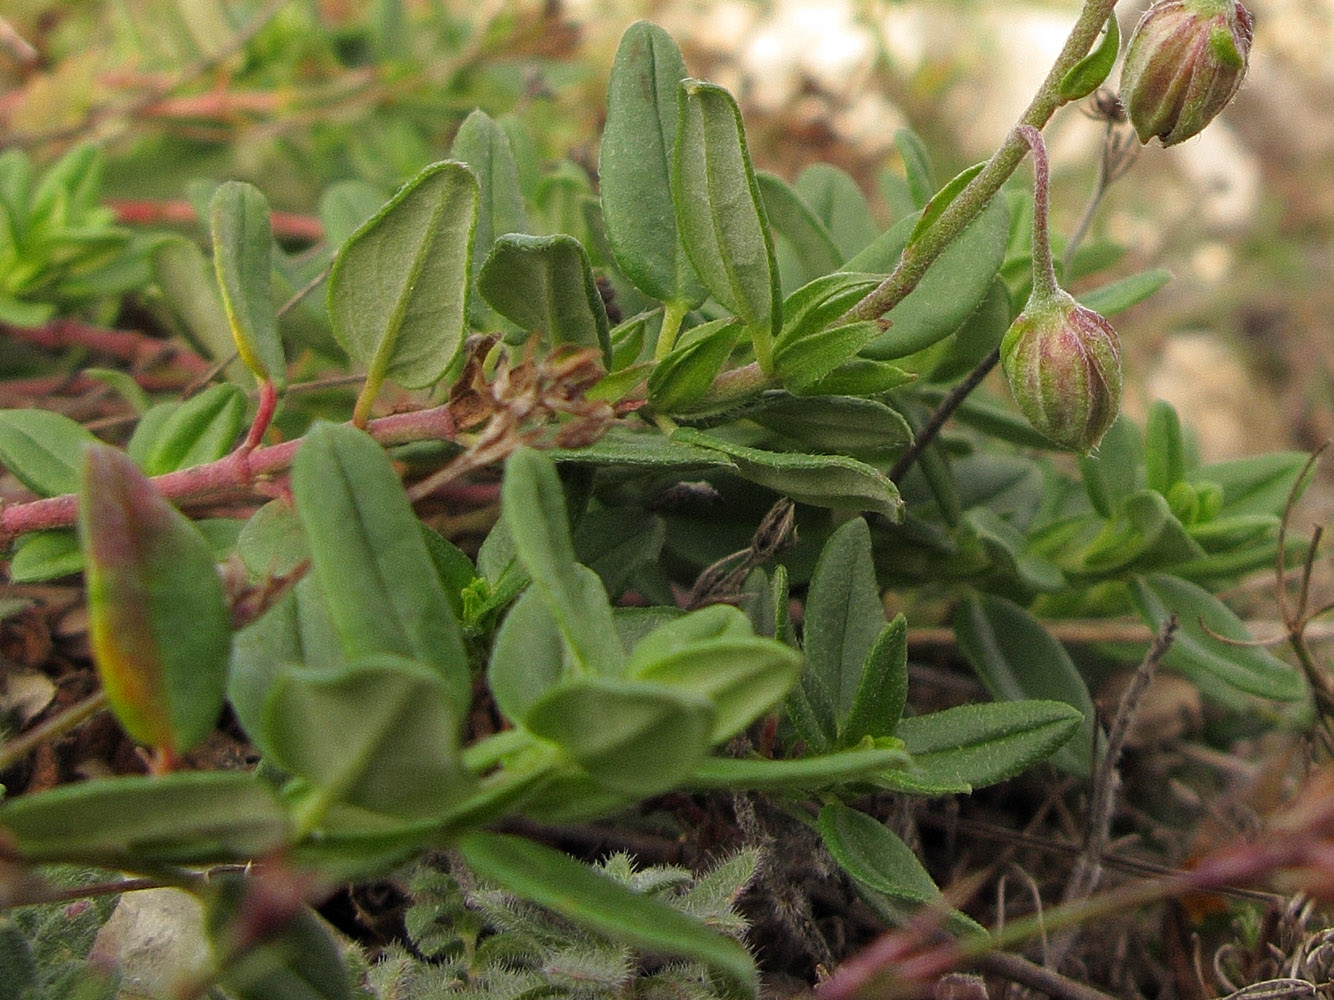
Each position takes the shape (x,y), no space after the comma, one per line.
(235,471)
(132,346)
(286,225)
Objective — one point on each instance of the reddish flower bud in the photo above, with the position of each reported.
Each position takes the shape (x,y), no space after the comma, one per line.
(1183,65)
(1063,363)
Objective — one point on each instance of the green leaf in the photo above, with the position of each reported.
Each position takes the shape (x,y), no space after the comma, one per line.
(1087,75)
(803,361)
(844,425)
(19,313)
(243,261)
(916,166)
(820,480)
(1144,533)
(381,733)
(1119,295)
(1016,659)
(452,565)
(187,818)
(882,689)
(950,291)
(1164,448)
(483,146)
(970,746)
(818,304)
(528,657)
(190,286)
(719,212)
(345,206)
(684,376)
(549,878)
(1209,644)
(1008,550)
(1112,473)
(534,508)
(942,199)
(297,959)
(800,774)
(743,677)
(124,385)
(398,291)
(844,618)
(545,283)
(633,737)
(297,629)
(870,852)
(980,334)
(793,220)
(201,429)
(1256,485)
(43,450)
(159,621)
(635,167)
(628,448)
(615,542)
(862,377)
(368,555)
(45,555)
(839,203)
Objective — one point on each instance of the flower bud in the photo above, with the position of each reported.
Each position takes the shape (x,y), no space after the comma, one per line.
(1183,65)
(1063,363)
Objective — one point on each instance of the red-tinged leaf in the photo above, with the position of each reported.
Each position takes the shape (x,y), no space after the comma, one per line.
(159,622)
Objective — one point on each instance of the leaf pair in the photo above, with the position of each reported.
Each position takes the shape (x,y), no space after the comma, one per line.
(679,195)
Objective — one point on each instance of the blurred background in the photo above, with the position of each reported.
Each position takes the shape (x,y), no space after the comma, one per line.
(290,96)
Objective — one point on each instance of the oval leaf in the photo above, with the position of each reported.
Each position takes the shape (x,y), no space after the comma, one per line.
(399,289)
(636,162)
(368,555)
(545,284)
(1016,658)
(742,677)
(43,450)
(800,774)
(1202,650)
(1085,76)
(820,480)
(949,292)
(381,733)
(202,429)
(187,818)
(483,146)
(632,737)
(243,261)
(534,508)
(159,621)
(969,746)
(862,428)
(873,855)
(719,212)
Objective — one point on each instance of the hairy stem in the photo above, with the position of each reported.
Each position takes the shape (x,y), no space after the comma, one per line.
(919,255)
(1044,271)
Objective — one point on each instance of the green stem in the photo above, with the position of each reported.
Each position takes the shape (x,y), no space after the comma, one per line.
(672,315)
(919,255)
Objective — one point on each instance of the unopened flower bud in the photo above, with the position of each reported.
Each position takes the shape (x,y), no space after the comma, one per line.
(1063,363)
(1183,65)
